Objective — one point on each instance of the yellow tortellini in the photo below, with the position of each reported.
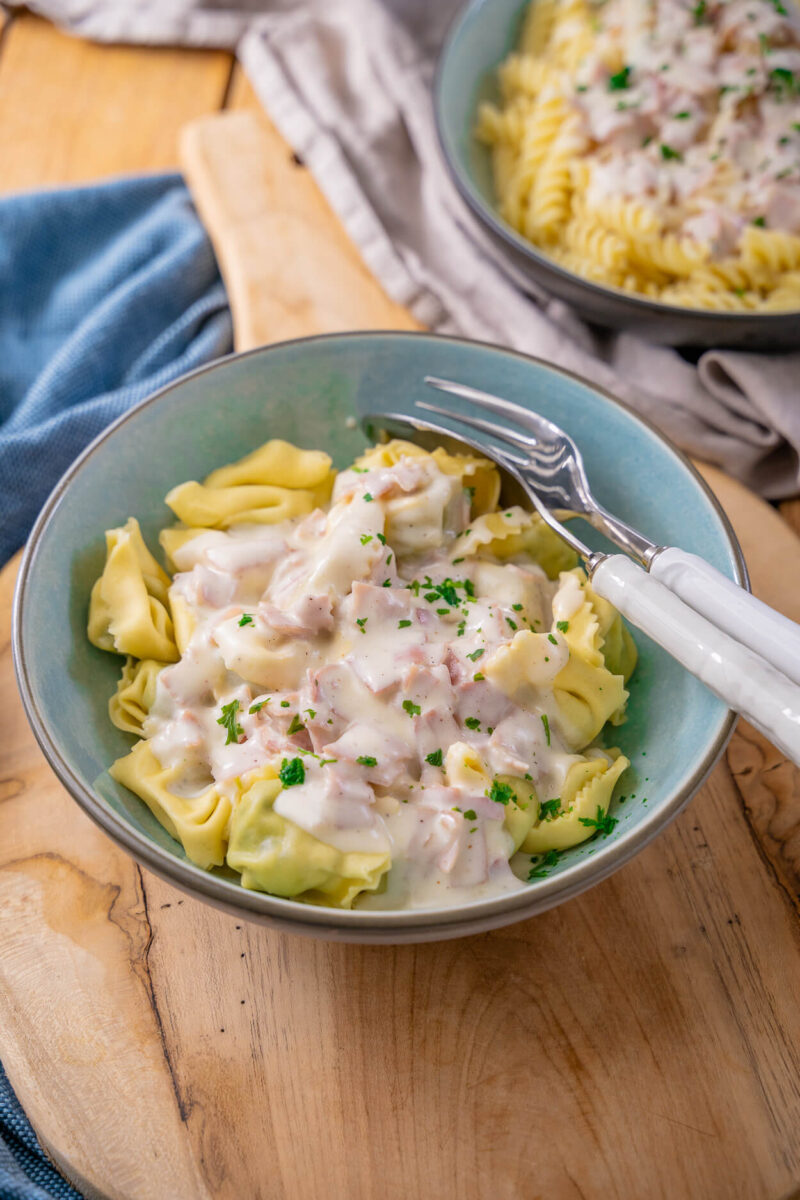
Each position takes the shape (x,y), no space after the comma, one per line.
(587,692)
(275,855)
(514,531)
(135,694)
(478,474)
(129,607)
(274,483)
(200,823)
(586,791)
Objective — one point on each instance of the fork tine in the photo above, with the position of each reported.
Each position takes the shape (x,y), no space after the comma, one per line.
(532,421)
(497,431)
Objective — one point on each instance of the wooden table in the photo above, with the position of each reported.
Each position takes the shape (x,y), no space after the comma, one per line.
(640,1041)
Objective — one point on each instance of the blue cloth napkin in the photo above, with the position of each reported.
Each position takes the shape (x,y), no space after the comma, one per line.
(107,292)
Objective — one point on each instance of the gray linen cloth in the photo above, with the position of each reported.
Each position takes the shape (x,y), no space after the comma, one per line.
(348,82)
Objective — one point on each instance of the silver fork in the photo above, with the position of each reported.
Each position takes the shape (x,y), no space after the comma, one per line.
(553,468)
(732,670)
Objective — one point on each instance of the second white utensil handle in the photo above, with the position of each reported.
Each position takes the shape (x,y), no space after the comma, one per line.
(767,698)
(706,590)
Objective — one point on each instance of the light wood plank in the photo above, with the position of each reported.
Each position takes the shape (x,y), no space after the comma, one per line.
(288,265)
(71,111)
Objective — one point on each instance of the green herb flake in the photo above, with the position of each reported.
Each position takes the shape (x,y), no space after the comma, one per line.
(286,704)
(366,760)
(228,720)
(517,607)
(442,612)
(668,153)
(759,221)
(682,116)
(434,758)
(603,823)
(699,11)
(461,627)
(501,793)
(549,809)
(404,624)
(381,538)
(647,140)
(292,772)
(550,638)
(511,624)
(412,709)
(476,654)
(296,725)
(361,622)
(472,723)
(549,860)
(366,537)
(620,81)
(254,708)
(368,496)
(245,619)
(386,583)
(562,626)
(469,814)
(546,724)
(479,677)
(312,712)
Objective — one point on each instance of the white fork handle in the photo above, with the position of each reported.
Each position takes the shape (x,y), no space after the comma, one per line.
(730,607)
(730,670)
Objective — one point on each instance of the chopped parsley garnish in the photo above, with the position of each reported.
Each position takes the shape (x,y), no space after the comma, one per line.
(478,677)
(456,561)
(779,8)
(472,723)
(682,116)
(760,221)
(476,654)
(548,809)
(461,627)
(434,758)
(228,720)
(312,712)
(501,793)
(254,708)
(292,772)
(404,624)
(620,81)
(368,496)
(469,814)
(386,583)
(511,624)
(381,538)
(549,860)
(388,559)
(286,704)
(517,607)
(667,153)
(784,80)
(546,724)
(550,638)
(647,140)
(603,823)
(361,622)
(411,708)
(582,87)
(366,537)
(359,470)
(562,626)
(442,612)
(245,619)
(366,760)
(699,11)
(296,725)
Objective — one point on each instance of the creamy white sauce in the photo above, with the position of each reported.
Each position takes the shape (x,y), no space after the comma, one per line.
(707,130)
(355,628)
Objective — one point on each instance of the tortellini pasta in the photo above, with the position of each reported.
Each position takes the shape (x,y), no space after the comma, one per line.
(312,699)
(275,855)
(129,607)
(200,823)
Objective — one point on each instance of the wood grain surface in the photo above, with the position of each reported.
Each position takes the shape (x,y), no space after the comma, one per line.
(639,1042)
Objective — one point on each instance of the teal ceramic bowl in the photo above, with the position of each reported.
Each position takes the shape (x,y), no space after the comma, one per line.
(309,392)
(481,37)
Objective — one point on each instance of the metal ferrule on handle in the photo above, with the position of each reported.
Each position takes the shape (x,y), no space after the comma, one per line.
(732,671)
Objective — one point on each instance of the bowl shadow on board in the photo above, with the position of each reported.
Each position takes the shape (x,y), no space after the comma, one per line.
(481,36)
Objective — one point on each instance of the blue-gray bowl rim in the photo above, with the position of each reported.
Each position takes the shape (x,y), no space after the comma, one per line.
(225,894)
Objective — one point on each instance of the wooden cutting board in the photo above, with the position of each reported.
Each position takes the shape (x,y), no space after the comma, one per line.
(641,1041)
